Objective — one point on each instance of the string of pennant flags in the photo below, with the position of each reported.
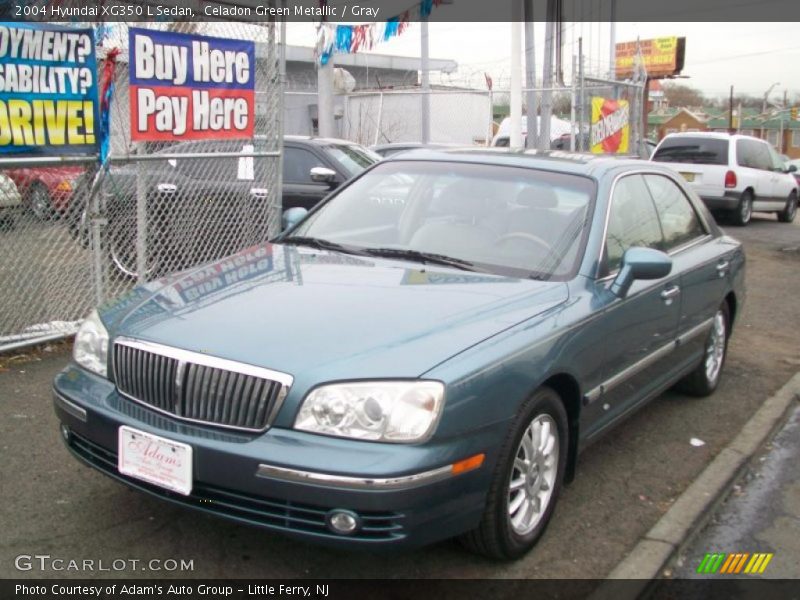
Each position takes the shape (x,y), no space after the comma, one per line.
(348,39)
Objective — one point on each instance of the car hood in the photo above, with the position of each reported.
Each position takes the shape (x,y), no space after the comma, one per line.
(327,315)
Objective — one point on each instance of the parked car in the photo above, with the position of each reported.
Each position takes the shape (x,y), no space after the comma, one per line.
(10,202)
(46,191)
(733,174)
(558,127)
(194,200)
(332,161)
(391,374)
(390,149)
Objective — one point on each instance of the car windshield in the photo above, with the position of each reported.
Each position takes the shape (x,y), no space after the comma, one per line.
(506,220)
(704,151)
(353,158)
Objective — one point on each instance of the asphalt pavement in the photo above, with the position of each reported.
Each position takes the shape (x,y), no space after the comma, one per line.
(761,516)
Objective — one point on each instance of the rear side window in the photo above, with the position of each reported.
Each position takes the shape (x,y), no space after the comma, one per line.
(753,154)
(679,222)
(687,149)
(633,221)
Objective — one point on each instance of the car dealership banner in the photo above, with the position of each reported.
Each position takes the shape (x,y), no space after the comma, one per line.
(189,87)
(48,90)
(611,129)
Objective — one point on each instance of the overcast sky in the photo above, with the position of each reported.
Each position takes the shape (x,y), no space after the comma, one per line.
(750,56)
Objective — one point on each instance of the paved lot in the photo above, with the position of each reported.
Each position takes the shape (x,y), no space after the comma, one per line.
(52,505)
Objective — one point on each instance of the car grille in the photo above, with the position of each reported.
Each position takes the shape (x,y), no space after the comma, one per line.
(261,511)
(170,381)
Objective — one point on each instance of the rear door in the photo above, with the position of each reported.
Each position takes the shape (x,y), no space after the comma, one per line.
(700,260)
(755,170)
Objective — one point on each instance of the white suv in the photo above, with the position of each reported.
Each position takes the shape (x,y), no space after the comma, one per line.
(735,174)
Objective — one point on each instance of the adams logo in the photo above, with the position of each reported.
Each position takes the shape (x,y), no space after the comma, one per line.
(733,563)
(610,132)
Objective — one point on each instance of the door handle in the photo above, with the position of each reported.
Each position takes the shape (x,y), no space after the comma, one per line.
(671,292)
(167,188)
(259,192)
(722,267)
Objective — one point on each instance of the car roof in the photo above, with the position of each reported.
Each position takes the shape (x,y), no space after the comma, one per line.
(317,140)
(714,135)
(586,164)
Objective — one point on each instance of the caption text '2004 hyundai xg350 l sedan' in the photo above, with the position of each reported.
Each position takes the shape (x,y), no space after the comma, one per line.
(421,356)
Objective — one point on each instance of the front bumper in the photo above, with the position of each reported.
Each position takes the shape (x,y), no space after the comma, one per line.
(728,201)
(401,493)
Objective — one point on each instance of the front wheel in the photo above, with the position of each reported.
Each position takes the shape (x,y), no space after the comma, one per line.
(789,211)
(526,481)
(705,378)
(743,213)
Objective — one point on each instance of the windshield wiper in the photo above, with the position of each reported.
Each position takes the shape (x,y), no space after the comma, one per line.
(318,243)
(423,257)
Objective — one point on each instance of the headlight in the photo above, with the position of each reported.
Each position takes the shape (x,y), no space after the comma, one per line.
(91,345)
(384,411)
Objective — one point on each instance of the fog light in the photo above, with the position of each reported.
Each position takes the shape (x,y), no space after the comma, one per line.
(343,522)
(65,432)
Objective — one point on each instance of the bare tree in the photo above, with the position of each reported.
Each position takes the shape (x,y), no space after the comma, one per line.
(681,95)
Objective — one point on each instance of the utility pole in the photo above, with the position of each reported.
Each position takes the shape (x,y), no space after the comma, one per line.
(612,43)
(547,76)
(325,121)
(425,83)
(515,101)
(530,76)
(730,112)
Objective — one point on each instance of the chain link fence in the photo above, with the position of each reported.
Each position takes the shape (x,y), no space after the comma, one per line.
(76,236)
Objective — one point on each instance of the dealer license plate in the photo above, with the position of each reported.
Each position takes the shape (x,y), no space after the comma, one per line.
(155,459)
(688,176)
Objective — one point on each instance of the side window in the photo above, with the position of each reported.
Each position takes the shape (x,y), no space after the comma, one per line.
(761,156)
(744,153)
(679,220)
(633,220)
(776,162)
(297,165)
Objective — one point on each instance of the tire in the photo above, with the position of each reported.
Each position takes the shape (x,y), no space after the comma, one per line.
(120,242)
(743,213)
(703,381)
(39,202)
(790,210)
(507,532)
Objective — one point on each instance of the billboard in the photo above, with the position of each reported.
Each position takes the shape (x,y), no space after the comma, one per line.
(662,57)
(48,90)
(611,126)
(189,87)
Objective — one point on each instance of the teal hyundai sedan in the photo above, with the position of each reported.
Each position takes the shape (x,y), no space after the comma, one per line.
(422,356)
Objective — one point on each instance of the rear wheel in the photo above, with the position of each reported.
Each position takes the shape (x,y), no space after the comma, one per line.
(743,213)
(705,378)
(790,210)
(526,481)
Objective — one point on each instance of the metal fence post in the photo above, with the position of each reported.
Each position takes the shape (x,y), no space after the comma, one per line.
(141,219)
(96,222)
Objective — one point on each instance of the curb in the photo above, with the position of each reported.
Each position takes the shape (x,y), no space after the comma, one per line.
(695,505)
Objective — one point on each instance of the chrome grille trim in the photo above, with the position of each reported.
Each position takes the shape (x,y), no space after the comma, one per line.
(199,388)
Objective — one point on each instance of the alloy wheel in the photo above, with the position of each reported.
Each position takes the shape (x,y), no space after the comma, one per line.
(533,475)
(715,350)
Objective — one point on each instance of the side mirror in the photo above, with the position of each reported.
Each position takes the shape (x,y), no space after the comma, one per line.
(323,175)
(640,263)
(791,169)
(292,217)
